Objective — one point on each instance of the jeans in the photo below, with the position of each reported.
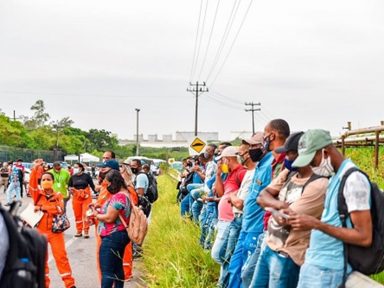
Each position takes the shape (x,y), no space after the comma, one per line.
(220,245)
(312,276)
(275,270)
(233,235)
(211,225)
(249,267)
(245,246)
(185,205)
(13,189)
(111,259)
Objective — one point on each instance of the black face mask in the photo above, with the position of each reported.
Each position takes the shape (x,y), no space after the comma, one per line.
(101,177)
(267,143)
(256,154)
(134,170)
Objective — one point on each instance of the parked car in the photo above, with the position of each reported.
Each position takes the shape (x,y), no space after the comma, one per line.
(144,160)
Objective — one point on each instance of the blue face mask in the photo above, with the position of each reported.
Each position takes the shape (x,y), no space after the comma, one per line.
(288,165)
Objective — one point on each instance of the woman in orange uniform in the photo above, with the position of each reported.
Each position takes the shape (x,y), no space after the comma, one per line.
(80,185)
(35,178)
(51,203)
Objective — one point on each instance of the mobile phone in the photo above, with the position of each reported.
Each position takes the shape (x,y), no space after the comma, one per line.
(276,213)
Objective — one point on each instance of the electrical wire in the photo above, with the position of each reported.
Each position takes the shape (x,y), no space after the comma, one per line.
(233,43)
(209,39)
(197,37)
(224,38)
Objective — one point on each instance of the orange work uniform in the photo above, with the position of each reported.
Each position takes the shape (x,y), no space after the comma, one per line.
(104,195)
(34,179)
(51,206)
(80,202)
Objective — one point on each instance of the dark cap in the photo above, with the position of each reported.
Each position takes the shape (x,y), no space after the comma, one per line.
(112,163)
(56,163)
(291,144)
(19,160)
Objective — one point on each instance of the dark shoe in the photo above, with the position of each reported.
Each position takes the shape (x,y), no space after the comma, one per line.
(86,235)
(78,235)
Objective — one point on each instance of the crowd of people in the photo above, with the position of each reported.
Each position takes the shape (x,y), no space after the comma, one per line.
(107,204)
(268,209)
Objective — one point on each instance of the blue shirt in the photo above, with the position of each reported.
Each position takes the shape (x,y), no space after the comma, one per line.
(253,214)
(324,250)
(142,182)
(196,179)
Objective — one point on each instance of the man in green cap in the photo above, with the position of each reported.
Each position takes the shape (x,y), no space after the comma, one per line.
(61,181)
(324,260)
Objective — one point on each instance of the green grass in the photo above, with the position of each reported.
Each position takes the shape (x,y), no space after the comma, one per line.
(173,257)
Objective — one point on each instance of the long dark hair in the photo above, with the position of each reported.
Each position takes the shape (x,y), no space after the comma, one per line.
(117,181)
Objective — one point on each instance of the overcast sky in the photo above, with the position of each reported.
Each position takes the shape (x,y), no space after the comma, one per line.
(317,64)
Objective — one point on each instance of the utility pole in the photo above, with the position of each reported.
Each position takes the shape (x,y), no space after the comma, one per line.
(137,131)
(253,109)
(197,89)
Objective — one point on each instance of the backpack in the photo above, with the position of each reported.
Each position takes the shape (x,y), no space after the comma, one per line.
(367,260)
(151,193)
(25,263)
(137,227)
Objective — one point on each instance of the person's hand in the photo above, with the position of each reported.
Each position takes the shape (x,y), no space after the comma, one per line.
(301,222)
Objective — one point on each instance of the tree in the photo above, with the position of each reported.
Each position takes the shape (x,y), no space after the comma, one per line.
(101,140)
(40,117)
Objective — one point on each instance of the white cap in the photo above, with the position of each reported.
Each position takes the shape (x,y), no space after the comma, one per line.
(230,151)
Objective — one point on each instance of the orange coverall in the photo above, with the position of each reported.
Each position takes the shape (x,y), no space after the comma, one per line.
(52,206)
(36,174)
(80,202)
(104,195)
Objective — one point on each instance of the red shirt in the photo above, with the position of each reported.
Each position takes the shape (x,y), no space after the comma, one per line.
(231,185)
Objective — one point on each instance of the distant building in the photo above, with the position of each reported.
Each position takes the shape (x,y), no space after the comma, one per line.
(208,136)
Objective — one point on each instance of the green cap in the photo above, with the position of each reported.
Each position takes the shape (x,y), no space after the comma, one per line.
(311,141)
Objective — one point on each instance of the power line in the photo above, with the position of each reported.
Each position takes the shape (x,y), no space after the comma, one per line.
(201,37)
(210,38)
(224,38)
(197,36)
(197,89)
(226,102)
(233,43)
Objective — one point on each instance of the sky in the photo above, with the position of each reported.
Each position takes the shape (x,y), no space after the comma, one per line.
(316,64)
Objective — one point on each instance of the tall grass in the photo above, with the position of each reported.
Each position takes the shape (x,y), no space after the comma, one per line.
(172,255)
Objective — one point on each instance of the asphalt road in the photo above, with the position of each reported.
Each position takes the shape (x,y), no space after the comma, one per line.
(82,257)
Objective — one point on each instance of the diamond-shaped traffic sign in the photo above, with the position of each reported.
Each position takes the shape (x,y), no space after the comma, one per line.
(198,145)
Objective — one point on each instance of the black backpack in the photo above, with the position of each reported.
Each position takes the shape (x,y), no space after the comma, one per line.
(151,194)
(367,260)
(25,263)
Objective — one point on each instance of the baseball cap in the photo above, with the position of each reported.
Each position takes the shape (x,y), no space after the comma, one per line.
(56,163)
(291,143)
(311,141)
(230,151)
(112,163)
(257,138)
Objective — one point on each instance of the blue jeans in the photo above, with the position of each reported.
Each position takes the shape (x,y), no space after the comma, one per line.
(312,276)
(220,245)
(211,225)
(233,235)
(12,191)
(185,205)
(275,270)
(249,266)
(111,259)
(245,246)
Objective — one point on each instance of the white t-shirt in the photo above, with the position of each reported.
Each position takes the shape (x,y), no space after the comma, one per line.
(244,188)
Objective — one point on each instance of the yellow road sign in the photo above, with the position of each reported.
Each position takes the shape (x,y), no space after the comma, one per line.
(198,145)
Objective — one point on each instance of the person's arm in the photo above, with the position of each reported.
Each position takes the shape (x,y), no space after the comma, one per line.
(268,196)
(360,234)
(237,202)
(54,208)
(90,182)
(110,216)
(219,186)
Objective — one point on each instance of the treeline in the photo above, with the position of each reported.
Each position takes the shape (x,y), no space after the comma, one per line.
(40,131)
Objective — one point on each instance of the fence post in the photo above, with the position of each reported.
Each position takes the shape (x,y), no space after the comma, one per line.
(377,149)
(343,145)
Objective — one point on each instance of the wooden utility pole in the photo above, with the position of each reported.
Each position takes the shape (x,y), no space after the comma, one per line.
(253,109)
(197,89)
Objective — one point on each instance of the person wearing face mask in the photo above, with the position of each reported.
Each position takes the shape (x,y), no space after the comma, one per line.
(299,190)
(324,259)
(269,165)
(237,202)
(51,203)
(224,189)
(80,185)
(112,230)
(61,181)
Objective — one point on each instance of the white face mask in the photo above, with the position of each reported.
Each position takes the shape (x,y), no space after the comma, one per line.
(76,170)
(325,168)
